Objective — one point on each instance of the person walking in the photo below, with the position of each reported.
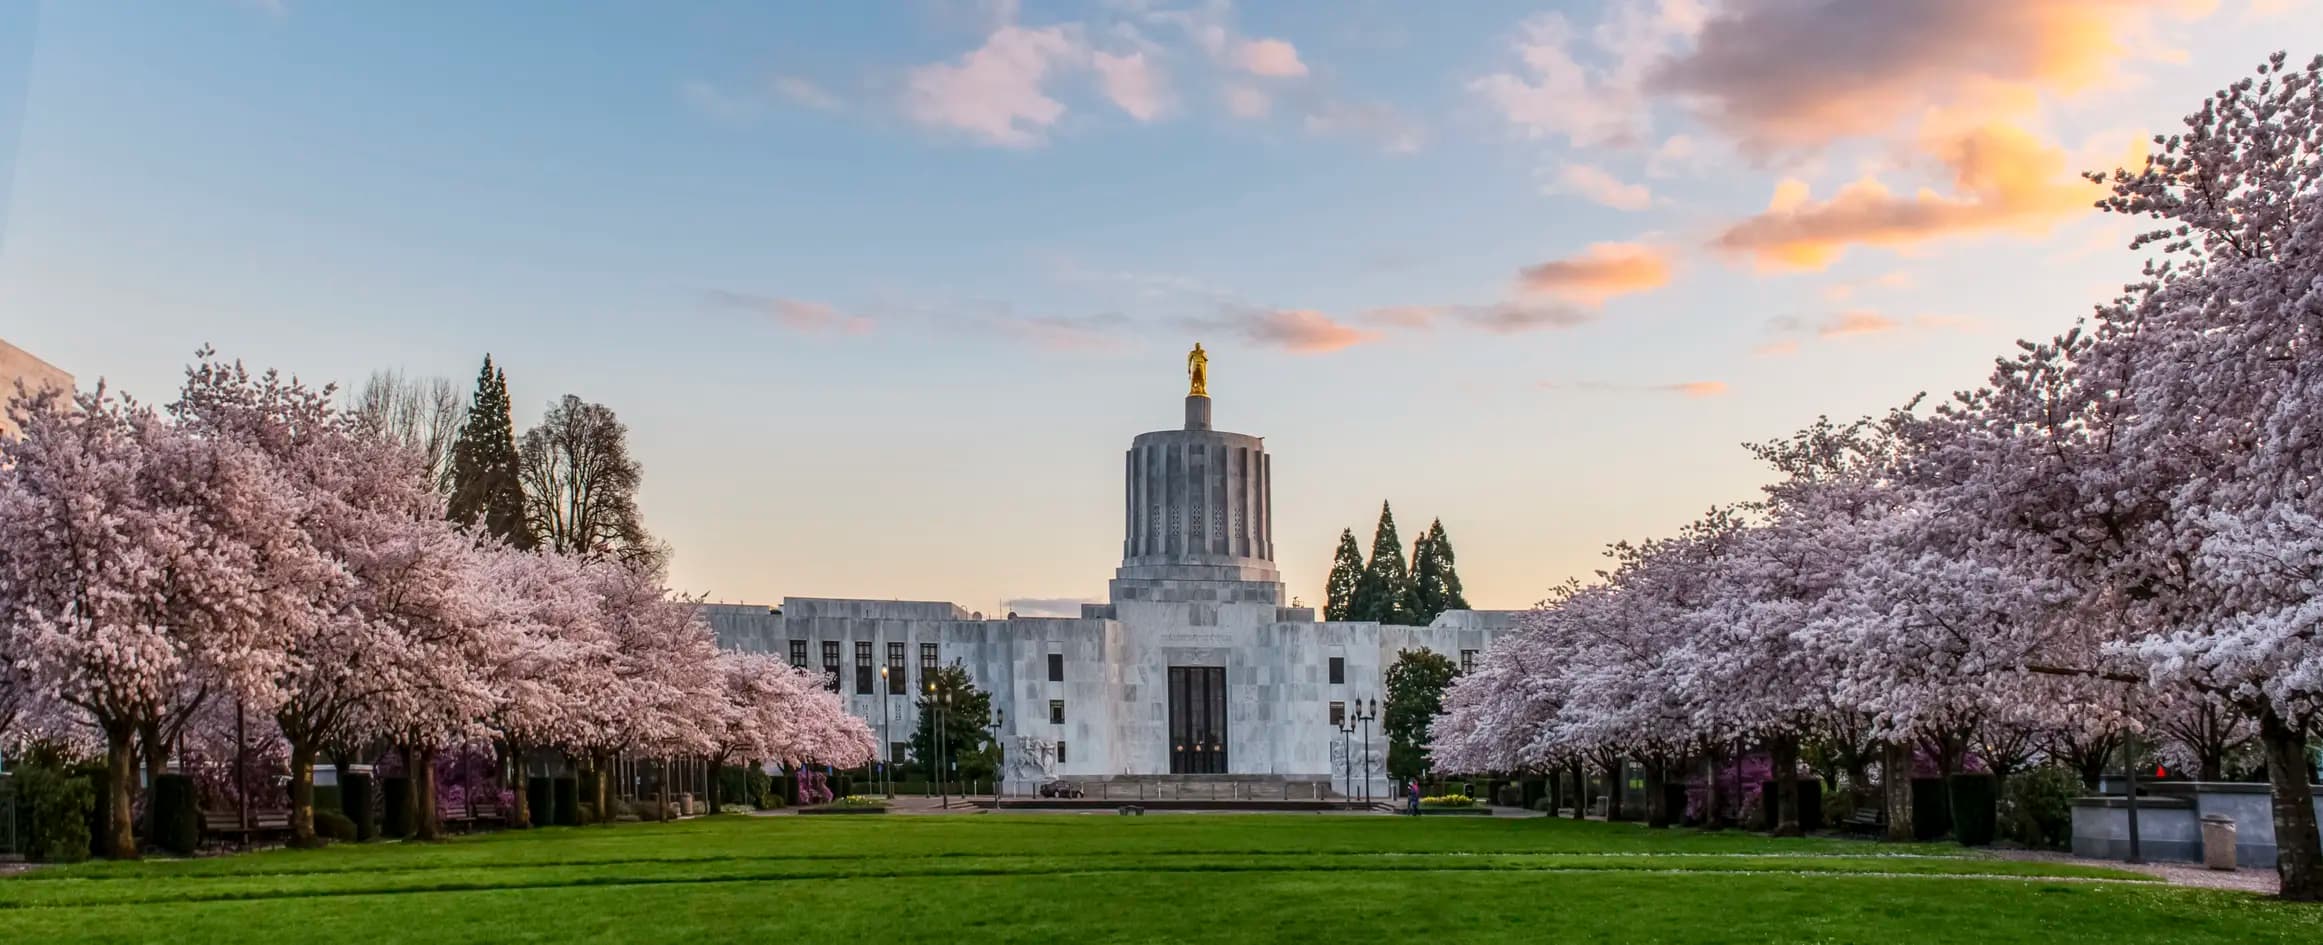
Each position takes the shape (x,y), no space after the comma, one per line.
(1413,788)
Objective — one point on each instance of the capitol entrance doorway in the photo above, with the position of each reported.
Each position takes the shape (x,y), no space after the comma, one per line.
(1197,720)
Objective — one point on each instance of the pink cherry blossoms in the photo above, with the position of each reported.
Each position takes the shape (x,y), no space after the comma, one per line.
(2120,535)
(256,546)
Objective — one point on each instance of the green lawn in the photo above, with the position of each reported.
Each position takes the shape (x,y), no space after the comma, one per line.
(1087,879)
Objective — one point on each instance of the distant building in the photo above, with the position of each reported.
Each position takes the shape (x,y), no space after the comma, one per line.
(16,365)
(1194,667)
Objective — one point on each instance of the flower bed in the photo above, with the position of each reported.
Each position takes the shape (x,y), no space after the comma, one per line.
(851,804)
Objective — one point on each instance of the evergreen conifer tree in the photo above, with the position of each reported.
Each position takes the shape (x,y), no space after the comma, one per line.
(1385,592)
(1346,574)
(1435,583)
(485,487)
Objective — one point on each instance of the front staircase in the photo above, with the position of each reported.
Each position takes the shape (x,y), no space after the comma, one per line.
(1192,792)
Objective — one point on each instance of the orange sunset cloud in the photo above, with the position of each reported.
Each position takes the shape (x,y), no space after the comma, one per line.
(1604,271)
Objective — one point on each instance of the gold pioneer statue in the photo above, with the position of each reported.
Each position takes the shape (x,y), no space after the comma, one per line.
(1198,368)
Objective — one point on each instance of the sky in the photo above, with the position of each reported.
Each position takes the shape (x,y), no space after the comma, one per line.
(882,290)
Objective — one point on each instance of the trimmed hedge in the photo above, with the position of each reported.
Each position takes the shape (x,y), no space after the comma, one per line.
(568,800)
(334,825)
(177,815)
(1975,809)
(538,794)
(1931,809)
(355,802)
(57,807)
(395,808)
(1810,803)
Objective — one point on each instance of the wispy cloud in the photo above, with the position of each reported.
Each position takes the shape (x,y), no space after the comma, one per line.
(1604,271)
(1588,103)
(797,315)
(1269,57)
(1692,390)
(1507,317)
(1597,185)
(996,93)
(1134,83)
(806,93)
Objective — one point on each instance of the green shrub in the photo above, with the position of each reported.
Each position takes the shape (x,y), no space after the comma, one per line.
(588,812)
(355,802)
(59,806)
(539,795)
(329,797)
(177,815)
(1448,800)
(1931,809)
(1974,809)
(860,800)
(2037,807)
(568,801)
(334,825)
(395,808)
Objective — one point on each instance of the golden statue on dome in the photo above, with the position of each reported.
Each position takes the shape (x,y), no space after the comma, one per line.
(1198,368)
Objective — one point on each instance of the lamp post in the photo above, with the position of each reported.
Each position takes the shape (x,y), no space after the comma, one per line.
(886,738)
(939,701)
(1346,761)
(999,715)
(1365,713)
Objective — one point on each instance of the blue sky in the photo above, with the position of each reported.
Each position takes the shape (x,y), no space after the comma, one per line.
(883,289)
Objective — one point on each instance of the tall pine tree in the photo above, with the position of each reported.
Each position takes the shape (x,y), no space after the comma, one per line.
(485,487)
(1435,583)
(1385,592)
(1346,574)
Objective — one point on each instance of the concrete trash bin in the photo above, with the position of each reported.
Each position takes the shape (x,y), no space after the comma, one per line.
(2218,841)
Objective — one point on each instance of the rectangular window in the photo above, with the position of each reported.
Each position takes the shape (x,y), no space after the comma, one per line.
(927,663)
(898,752)
(1060,752)
(1467,660)
(1338,670)
(1056,711)
(1056,667)
(1338,714)
(896,680)
(798,653)
(831,665)
(863,668)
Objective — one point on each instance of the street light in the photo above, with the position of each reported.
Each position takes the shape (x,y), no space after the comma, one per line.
(1346,761)
(1365,713)
(886,738)
(999,754)
(940,701)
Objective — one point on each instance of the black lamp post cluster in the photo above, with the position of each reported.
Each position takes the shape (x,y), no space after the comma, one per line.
(1364,713)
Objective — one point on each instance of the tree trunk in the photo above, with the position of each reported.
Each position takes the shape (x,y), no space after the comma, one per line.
(1613,786)
(717,803)
(2213,766)
(512,775)
(1895,778)
(1714,796)
(427,820)
(1580,775)
(119,839)
(411,803)
(302,794)
(2298,850)
(1783,750)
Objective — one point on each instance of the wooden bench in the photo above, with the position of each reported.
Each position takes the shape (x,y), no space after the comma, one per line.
(488,811)
(1867,820)
(452,812)
(262,823)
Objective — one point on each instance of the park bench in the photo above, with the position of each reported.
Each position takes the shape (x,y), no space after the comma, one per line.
(1870,819)
(488,811)
(450,812)
(263,823)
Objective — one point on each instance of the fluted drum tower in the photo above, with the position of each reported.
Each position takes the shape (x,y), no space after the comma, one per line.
(1198,511)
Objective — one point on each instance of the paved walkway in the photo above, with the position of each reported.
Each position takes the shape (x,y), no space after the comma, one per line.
(2247,879)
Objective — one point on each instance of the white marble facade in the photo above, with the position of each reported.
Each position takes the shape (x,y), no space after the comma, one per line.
(1197,588)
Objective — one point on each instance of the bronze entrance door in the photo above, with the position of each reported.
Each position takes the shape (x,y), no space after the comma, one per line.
(1197,720)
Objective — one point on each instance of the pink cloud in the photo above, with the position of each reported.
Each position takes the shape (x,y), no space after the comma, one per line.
(1134,84)
(1273,58)
(1606,270)
(1856,322)
(995,93)
(1302,331)
(1243,101)
(797,315)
